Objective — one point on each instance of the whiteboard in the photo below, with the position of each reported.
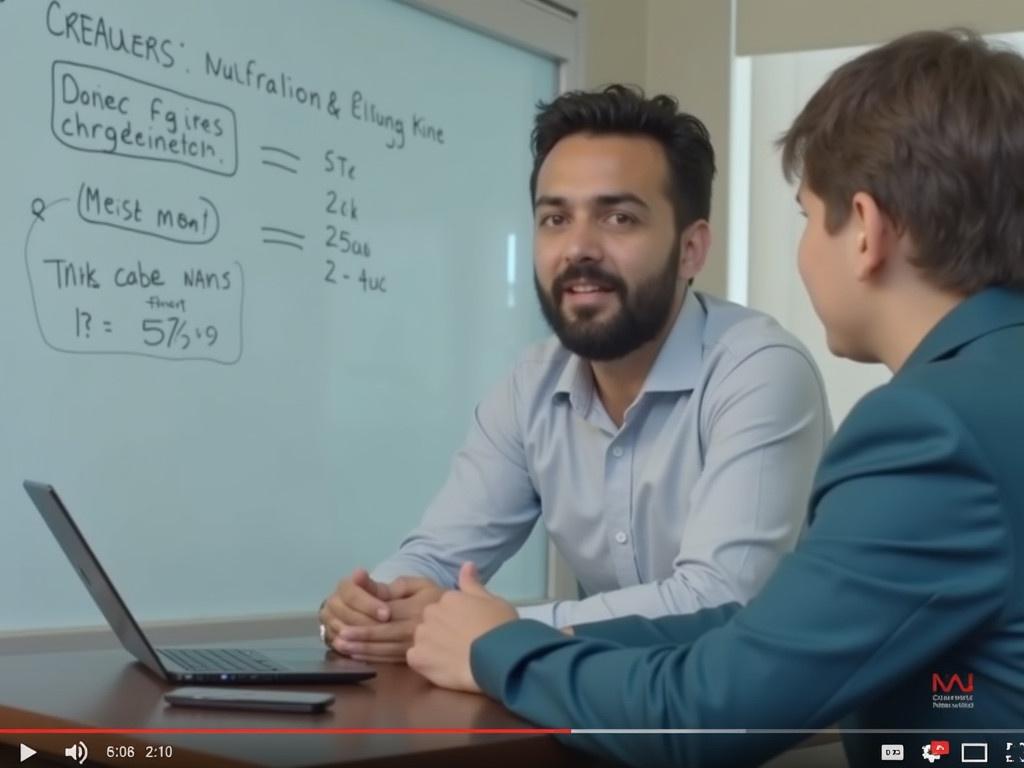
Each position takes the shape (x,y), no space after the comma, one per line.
(260,261)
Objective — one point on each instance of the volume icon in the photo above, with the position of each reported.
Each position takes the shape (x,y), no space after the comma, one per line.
(77,752)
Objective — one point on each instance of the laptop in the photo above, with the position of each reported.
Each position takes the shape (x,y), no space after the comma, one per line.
(193,665)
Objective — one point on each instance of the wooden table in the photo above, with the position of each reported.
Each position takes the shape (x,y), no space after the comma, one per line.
(107,689)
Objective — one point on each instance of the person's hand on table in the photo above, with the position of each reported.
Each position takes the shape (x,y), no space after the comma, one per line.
(387,641)
(357,601)
(441,645)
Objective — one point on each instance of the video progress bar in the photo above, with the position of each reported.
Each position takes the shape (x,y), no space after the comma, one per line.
(494,731)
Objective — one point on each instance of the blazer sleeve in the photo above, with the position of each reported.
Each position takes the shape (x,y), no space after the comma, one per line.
(636,630)
(907,554)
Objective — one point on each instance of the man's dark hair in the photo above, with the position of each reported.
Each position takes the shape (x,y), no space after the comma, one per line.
(622,110)
(930,125)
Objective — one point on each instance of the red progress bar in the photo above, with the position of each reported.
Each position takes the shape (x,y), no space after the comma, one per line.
(275,731)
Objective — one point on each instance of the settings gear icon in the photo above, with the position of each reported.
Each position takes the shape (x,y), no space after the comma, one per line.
(927,754)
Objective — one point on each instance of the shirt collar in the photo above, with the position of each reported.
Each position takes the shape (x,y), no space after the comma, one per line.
(676,368)
(576,382)
(978,315)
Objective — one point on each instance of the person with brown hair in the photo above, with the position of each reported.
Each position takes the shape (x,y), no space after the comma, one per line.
(903,607)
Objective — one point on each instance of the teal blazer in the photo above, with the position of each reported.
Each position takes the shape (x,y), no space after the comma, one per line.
(911,572)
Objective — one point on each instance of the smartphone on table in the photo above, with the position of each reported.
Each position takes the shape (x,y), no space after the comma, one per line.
(249,698)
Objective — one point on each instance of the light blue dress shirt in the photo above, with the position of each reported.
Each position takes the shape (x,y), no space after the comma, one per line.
(689,504)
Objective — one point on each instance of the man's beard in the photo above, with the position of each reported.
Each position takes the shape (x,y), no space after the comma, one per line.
(640,318)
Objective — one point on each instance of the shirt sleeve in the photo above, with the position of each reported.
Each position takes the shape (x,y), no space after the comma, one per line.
(764,425)
(908,554)
(486,508)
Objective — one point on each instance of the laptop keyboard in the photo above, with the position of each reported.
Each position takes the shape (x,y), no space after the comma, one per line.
(221,660)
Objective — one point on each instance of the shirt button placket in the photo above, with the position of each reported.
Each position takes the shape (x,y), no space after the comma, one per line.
(618,490)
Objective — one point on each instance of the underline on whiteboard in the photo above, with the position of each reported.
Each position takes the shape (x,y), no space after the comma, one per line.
(282,151)
(283,232)
(282,242)
(278,165)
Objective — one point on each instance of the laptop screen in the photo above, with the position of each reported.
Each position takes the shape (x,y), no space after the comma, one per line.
(70,538)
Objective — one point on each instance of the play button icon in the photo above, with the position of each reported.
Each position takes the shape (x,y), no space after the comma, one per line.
(26,752)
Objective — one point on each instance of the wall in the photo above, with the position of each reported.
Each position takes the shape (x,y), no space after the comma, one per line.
(615,42)
(770,26)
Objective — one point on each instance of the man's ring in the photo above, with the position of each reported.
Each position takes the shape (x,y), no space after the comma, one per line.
(323,629)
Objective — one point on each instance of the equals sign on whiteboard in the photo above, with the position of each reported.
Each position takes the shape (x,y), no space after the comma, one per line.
(282,159)
(279,236)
